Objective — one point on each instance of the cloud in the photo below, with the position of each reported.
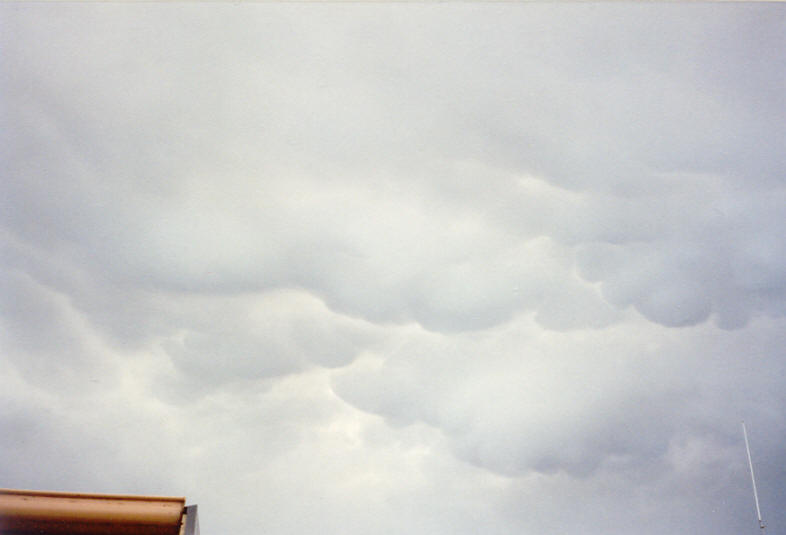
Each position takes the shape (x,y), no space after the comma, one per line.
(634,406)
(231,173)
(379,267)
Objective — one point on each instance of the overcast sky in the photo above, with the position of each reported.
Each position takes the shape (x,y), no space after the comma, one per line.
(351,269)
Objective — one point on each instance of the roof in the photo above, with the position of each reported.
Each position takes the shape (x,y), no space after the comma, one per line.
(27,512)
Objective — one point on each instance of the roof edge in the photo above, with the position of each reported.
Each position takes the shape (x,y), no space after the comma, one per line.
(92,496)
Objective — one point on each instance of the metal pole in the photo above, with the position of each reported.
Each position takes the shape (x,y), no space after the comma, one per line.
(753,479)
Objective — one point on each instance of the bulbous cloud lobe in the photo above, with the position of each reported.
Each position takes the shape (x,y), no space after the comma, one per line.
(422,177)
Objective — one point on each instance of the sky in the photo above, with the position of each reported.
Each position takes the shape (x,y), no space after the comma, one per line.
(352,268)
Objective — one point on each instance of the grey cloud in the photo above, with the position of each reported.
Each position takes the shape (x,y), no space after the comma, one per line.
(420,268)
(194,231)
(37,323)
(572,401)
(718,263)
(247,339)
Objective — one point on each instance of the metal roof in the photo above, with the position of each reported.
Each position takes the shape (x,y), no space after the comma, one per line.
(27,512)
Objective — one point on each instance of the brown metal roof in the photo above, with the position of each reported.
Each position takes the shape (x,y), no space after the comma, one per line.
(25,512)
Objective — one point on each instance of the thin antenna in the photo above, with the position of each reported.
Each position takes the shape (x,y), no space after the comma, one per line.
(753,479)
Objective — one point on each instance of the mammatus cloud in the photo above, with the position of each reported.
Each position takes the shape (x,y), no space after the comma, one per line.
(389,268)
(522,400)
(242,208)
